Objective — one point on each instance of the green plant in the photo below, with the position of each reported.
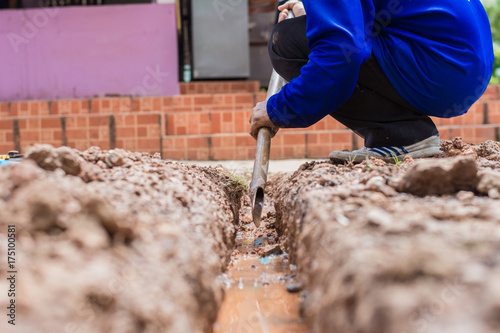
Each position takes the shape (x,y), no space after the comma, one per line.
(492,8)
(396,160)
(350,161)
(237,182)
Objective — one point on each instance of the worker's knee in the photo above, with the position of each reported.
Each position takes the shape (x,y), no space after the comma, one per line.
(288,39)
(288,47)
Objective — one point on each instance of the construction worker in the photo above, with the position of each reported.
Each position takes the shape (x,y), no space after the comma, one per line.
(380,67)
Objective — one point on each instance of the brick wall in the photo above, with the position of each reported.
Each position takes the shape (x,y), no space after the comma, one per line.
(208,121)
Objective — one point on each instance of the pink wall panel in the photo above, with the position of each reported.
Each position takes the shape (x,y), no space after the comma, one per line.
(80,52)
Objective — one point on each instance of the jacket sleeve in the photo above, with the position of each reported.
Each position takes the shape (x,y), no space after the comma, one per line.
(336,30)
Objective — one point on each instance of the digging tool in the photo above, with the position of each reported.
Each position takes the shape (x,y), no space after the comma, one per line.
(261,165)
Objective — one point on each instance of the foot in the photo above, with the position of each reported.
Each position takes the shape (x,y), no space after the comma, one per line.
(426,148)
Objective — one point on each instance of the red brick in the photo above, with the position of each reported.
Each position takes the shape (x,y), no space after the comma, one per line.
(493,112)
(17,111)
(34,123)
(167,103)
(126,132)
(51,123)
(294,139)
(57,135)
(196,143)
(76,134)
(82,122)
(98,121)
(47,136)
(170,124)
(79,107)
(4,109)
(491,93)
(217,87)
(142,132)
(33,136)
(125,120)
(6,124)
(216,141)
(153,131)
(98,133)
(484,133)
(244,141)
(193,124)
(120,105)
(149,145)
(223,154)
(260,97)
(63,108)
(205,124)
(227,116)
(180,143)
(147,119)
(223,99)
(182,101)
(244,99)
(216,122)
(319,151)
(202,99)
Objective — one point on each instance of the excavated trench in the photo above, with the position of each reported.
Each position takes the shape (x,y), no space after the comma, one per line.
(258,276)
(113,241)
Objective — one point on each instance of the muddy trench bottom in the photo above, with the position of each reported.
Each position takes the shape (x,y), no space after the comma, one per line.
(256,299)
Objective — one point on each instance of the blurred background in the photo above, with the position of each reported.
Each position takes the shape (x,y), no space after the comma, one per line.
(59,49)
(179,77)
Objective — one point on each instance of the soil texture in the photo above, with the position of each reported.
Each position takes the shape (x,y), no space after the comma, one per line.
(114,241)
(408,247)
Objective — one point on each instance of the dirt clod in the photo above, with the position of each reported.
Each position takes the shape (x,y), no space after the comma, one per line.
(489,150)
(440,176)
(457,147)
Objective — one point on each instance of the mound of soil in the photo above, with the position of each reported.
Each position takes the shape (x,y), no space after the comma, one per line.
(114,241)
(387,248)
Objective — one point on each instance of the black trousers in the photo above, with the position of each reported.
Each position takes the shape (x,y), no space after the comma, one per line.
(375,110)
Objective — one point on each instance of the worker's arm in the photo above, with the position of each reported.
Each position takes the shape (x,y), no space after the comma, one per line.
(338,42)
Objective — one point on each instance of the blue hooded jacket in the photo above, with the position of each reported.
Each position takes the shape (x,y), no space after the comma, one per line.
(438,55)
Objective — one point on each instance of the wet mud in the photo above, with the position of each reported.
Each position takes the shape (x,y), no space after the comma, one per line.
(257,299)
(410,247)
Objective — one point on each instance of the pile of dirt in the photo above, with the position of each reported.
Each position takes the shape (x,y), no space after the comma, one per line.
(114,241)
(409,248)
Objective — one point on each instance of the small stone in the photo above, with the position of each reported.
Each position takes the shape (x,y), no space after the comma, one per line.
(274,251)
(294,287)
(494,193)
(465,195)
(375,183)
(378,217)
(114,159)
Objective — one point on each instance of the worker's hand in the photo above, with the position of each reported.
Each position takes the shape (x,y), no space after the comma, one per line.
(296,6)
(260,119)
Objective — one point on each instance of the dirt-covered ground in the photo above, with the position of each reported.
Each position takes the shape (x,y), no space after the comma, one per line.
(113,241)
(403,248)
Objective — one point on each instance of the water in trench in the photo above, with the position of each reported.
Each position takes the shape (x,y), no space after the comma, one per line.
(256,299)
